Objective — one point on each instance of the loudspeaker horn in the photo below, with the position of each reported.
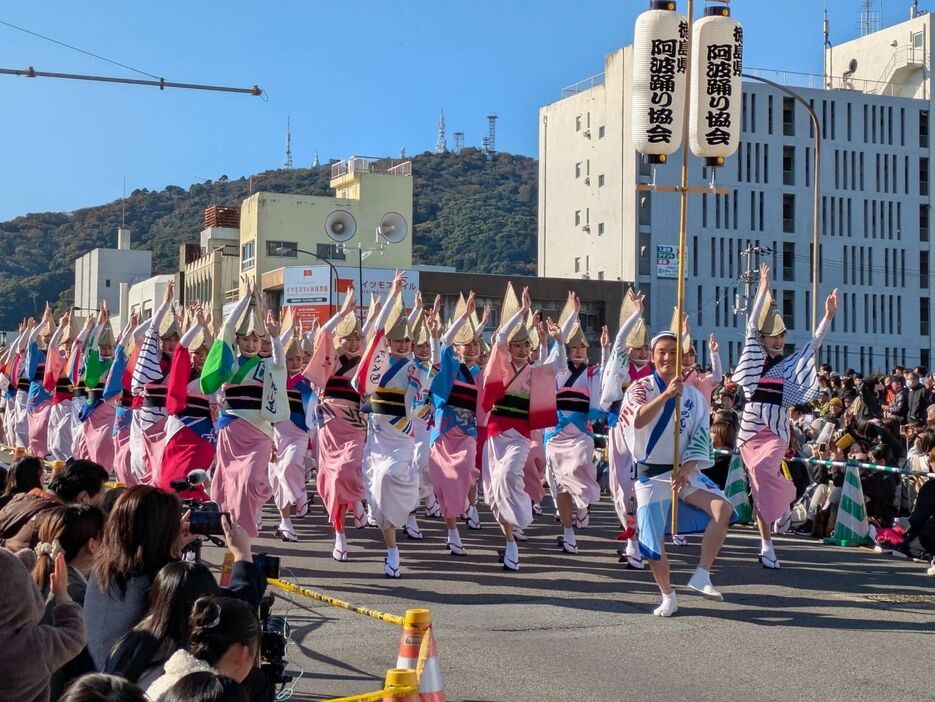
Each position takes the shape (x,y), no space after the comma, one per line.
(340,225)
(393,227)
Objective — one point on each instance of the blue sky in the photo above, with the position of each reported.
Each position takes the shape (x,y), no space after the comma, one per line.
(360,77)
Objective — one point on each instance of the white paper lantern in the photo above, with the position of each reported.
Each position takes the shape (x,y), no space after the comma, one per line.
(660,57)
(717,64)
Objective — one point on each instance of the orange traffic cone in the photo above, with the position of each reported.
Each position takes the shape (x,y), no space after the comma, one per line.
(417,625)
(401,678)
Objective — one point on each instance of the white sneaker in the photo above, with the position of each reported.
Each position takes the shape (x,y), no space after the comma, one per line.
(702,584)
(678,540)
(669,606)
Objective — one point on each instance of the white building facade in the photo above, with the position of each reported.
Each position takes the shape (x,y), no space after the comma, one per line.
(100,273)
(873,214)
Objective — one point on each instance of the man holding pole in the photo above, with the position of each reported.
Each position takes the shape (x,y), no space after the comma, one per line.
(650,433)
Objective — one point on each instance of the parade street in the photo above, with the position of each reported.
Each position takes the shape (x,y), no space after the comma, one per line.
(833,624)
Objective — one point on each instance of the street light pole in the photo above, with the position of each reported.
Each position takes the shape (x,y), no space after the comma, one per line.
(816,125)
(334,272)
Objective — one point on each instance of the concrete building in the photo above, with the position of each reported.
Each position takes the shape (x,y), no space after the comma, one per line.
(874,206)
(209,270)
(100,273)
(144,297)
(341,229)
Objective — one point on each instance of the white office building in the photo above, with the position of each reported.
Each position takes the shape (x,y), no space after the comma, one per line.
(873,208)
(100,273)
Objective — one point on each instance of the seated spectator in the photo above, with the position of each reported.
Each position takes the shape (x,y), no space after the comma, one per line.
(74,531)
(723,436)
(102,688)
(224,639)
(206,687)
(140,656)
(32,651)
(143,533)
(80,482)
(920,539)
(25,474)
(880,488)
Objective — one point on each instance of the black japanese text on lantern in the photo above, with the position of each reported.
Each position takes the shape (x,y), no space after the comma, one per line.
(724,61)
(668,57)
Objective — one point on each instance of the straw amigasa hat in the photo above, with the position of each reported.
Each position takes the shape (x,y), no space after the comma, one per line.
(171,323)
(252,320)
(397,324)
(676,328)
(770,322)
(71,330)
(106,336)
(420,330)
(46,324)
(511,306)
(639,336)
(576,336)
(468,330)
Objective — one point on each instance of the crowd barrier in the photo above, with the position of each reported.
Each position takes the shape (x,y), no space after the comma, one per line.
(417,675)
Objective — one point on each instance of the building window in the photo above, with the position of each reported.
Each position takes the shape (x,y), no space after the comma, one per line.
(107,283)
(788,165)
(788,260)
(924,316)
(600,181)
(600,228)
(924,128)
(577,218)
(600,275)
(645,242)
(578,169)
(248,255)
(283,249)
(788,213)
(645,211)
(923,270)
(788,116)
(788,308)
(923,223)
(577,262)
(600,132)
(578,123)
(923,176)
(331,251)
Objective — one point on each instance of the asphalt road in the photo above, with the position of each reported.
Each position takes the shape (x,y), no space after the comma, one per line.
(833,624)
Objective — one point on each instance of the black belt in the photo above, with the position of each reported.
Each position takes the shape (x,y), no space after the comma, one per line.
(648,470)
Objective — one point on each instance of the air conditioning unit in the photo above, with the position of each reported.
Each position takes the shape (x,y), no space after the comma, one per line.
(587,180)
(587,133)
(585,227)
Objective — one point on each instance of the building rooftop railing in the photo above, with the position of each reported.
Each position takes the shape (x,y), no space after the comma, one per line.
(362,164)
(815,81)
(582,85)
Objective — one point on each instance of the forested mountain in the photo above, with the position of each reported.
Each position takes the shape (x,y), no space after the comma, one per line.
(470,212)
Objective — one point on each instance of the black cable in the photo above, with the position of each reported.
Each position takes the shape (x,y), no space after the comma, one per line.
(75,48)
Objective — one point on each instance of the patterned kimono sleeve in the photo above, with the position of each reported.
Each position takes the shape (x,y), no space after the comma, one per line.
(696,438)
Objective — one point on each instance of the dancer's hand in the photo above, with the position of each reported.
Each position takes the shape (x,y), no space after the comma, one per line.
(605,337)
(679,479)
(673,389)
(713,344)
(831,304)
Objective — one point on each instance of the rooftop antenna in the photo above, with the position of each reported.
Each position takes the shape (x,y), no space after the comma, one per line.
(402,152)
(914,10)
(828,52)
(458,141)
(316,163)
(490,141)
(440,145)
(287,163)
(869,18)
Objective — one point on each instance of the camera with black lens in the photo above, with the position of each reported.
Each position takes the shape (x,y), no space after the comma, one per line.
(273,645)
(205,514)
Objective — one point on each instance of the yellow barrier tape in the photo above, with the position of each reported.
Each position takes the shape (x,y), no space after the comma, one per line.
(379,695)
(334,602)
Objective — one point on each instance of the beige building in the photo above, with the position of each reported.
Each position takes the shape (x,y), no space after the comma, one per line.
(369,217)
(210,269)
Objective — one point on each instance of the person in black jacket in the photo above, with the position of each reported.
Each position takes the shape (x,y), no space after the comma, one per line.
(917,400)
(899,407)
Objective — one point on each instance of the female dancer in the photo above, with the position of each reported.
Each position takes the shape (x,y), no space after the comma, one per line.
(452,457)
(628,361)
(252,398)
(38,400)
(291,437)
(117,390)
(392,379)
(97,414)
(520,399)
(341,431)
(772,383)
(190,435)
(58,384)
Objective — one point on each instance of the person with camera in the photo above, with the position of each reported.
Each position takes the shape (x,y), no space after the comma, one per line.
(140,656)
(224,638)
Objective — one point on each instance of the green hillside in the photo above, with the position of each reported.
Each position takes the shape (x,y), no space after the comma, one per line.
(470,212)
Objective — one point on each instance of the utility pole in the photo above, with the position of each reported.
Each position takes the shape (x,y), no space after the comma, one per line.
(749,277)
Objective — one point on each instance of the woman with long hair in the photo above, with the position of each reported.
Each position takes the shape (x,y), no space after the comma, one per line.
(25,474)
(144,531)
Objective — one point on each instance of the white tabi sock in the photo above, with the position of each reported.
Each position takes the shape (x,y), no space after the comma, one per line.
(285,524)
(392,557)
(633,547)
(512,551)
(454,537)
(340,541)
(569,536)
(766,549)
(700,577)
